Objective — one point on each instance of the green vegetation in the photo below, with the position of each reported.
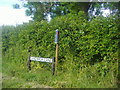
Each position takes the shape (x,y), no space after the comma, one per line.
(88,52)
(39,10)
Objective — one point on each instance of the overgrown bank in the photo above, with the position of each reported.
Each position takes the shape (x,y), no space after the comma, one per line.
(88,51)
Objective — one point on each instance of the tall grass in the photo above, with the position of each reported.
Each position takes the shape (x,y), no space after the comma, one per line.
(86,77)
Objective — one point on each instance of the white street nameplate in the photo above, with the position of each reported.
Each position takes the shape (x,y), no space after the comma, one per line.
(41,59)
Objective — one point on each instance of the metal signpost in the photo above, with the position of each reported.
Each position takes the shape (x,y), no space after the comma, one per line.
(56,56)
(54,60)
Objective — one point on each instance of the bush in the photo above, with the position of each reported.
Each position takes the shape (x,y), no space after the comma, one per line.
(81,43)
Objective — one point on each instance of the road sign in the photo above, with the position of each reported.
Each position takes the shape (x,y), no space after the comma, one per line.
(57,36)
(41,59)
(54,60)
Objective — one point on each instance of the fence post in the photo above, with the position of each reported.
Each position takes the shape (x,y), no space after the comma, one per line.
(53,65)
(29,63)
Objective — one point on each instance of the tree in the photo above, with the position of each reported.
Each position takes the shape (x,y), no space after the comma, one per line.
(37,10)
(16,6)
(40,10)
(69,7)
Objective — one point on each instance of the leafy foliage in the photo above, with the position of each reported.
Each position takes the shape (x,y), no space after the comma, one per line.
(88,48)
(39,10)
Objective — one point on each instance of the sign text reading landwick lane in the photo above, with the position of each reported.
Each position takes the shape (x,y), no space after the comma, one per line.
(41,59)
